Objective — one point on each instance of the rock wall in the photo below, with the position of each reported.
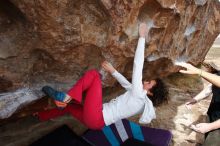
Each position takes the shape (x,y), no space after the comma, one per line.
(54,42)
(57,41)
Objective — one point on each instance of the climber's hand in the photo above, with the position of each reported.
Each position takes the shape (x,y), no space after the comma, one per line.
(108,67)
(143,30)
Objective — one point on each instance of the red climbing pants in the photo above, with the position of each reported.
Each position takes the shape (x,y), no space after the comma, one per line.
(90,112)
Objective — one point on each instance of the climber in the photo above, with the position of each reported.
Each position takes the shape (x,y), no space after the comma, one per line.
(92,112)
(211,129)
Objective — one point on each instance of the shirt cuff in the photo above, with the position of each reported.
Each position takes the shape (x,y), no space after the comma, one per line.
(115,73)
(142,38)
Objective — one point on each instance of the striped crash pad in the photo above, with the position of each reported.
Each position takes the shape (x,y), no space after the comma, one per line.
(122,130)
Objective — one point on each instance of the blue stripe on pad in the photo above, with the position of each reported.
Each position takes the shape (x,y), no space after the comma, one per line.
(110,136)
(136,131)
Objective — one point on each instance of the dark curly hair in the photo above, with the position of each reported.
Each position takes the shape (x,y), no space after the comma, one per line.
(160,93)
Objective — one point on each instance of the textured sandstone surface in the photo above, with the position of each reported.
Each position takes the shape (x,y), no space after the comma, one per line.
(47,42)
(57,41)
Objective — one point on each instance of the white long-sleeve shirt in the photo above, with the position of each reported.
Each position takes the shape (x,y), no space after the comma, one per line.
(134,100)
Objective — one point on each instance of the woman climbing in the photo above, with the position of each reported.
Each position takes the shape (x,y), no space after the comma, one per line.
(93,113)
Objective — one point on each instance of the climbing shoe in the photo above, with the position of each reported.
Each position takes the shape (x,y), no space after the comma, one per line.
(56,95)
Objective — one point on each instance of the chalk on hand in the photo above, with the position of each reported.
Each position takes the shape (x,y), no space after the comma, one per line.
(179,63)
(180,60)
